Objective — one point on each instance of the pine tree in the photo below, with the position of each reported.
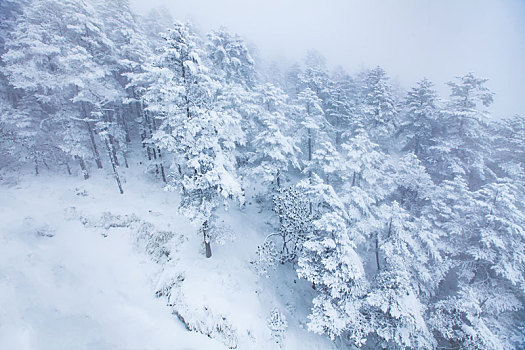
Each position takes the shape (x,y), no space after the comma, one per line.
(341,104)
(311,119)
(330,262)
(315,75)
(421,120)
(196,133)
(229,54)
(394,302)
(275,148)
(486,229)
(65,48)
(463,148)
(378,107)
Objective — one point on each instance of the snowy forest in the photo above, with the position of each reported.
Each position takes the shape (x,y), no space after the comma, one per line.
(395,217)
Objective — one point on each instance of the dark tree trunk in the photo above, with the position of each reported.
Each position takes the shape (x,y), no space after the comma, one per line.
(83,167)
(309,162)
(206,239)
(96,155)
(377,252)
(161,164)
(124,124)
(162,173)
(37,172)
(115,172)
(113,143)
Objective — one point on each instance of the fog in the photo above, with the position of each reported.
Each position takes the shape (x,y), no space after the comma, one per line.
(410,39)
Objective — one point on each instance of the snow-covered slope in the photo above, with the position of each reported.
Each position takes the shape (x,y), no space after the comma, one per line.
(81,265)
(64,286)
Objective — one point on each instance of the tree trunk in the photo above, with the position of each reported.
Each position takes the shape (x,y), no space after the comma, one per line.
(161,164)
(92,137)
(115,172)
(36,165)
(162,173)
(206,239)
(124,124)
(83,167)
(112,140)
(377,252)
(309,163)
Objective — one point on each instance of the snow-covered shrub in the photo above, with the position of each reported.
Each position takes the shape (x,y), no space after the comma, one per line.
(266,259)
(199,319)
(39,229)
(292,207)
(277,325)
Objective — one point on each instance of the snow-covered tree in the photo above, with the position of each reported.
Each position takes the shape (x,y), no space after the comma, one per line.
(421,119)
(378,106)
(483,310)
(312,121)
(341,103)
(292,206)
(330,262)
(315,74)
(275,148)
(402,262)
(59,54)
(277,325)
(463,147)
(199,136)
(230,55)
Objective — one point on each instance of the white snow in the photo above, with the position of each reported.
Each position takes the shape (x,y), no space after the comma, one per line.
(65,285)
(77,289)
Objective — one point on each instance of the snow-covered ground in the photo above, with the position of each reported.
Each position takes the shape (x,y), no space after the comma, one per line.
(70,278)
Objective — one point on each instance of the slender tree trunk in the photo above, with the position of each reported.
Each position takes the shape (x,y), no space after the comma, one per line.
(124,124)
(154,152)
(112,140)
(377,251)
(152,126)
(309,163)
(278,180)
(45,163)
(162,173)
(92,137)
(143,133)
(113,143)
(206,239)
(94,145)
(68,168)
(83,167)
(37,172)
(115,172)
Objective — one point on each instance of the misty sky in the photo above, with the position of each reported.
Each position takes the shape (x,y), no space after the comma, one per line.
(438,39)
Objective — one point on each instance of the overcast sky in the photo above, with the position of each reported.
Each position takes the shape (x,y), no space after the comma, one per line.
(411,39)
